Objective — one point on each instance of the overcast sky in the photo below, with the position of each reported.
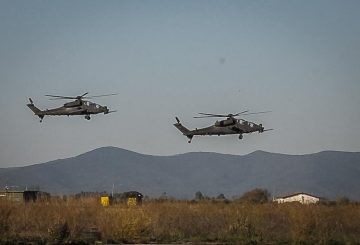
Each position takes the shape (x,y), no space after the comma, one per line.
(299,59)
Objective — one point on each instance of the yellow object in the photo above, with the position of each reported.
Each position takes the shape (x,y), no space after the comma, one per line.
(132,201)
(104,201)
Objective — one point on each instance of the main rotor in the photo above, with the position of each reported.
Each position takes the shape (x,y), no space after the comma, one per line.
(243,113)
(79,97)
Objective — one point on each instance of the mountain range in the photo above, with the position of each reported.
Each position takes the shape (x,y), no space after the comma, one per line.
(327,174)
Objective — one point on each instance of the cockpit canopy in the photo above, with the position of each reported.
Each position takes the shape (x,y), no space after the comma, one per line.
(224,123)
(91,104)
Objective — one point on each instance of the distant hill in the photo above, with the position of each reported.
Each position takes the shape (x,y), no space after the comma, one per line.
(327,174)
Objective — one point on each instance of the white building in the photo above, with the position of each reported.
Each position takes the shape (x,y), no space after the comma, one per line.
(301,197)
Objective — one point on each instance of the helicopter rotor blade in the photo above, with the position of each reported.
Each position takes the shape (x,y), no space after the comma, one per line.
(216,115)
(243,113)
(222,115)
(240,113)
(210,114)
(59,97)
(254,113)
(103,95)
(206,115)
(83,96)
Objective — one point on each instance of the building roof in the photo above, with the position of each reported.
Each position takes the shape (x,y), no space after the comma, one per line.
(296,194)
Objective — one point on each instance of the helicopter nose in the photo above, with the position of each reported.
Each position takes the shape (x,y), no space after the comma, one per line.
(106,110)
(261,128)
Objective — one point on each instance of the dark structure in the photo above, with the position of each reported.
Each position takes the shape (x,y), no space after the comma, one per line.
(133,198)
(23,196)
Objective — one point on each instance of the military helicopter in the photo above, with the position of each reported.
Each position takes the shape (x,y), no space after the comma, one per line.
(231,125)
(77,107)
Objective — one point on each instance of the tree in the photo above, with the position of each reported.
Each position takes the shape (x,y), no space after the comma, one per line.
(343,201)
(256,196)
(199,195)
(221,196)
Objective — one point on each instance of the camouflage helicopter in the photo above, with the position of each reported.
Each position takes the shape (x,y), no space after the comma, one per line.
(231,125)
(77,107)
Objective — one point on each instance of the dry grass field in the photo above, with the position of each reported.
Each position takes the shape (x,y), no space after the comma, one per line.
(75,221)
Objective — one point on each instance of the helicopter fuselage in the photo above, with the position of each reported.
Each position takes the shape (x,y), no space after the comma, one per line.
(228,126)
(77,107)
(223,127)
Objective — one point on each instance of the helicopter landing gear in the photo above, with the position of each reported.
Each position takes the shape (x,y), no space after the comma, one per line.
(87,117)
(190,138)
(240,136)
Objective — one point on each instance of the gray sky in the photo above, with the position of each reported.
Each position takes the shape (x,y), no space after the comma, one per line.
(300,59)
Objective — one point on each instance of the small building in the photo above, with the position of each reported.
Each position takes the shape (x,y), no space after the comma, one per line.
(105,201)
(133,198)
(301,197)
(23,196)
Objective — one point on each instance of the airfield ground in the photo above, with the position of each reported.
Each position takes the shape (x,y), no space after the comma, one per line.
(84,220)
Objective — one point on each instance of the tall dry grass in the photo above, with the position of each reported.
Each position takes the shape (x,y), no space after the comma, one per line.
(59,221)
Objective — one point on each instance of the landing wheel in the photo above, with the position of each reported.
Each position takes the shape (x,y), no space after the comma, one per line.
(190,138)
(240,136)
(87,117)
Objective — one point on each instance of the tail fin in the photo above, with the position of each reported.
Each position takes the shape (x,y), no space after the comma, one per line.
(33,107)
(179,126)
(184,130)
(36,110)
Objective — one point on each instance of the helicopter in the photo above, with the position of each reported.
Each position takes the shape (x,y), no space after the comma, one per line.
(77,107)
(231,125)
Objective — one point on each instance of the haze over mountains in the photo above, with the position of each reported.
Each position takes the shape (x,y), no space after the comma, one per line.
(328,174)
